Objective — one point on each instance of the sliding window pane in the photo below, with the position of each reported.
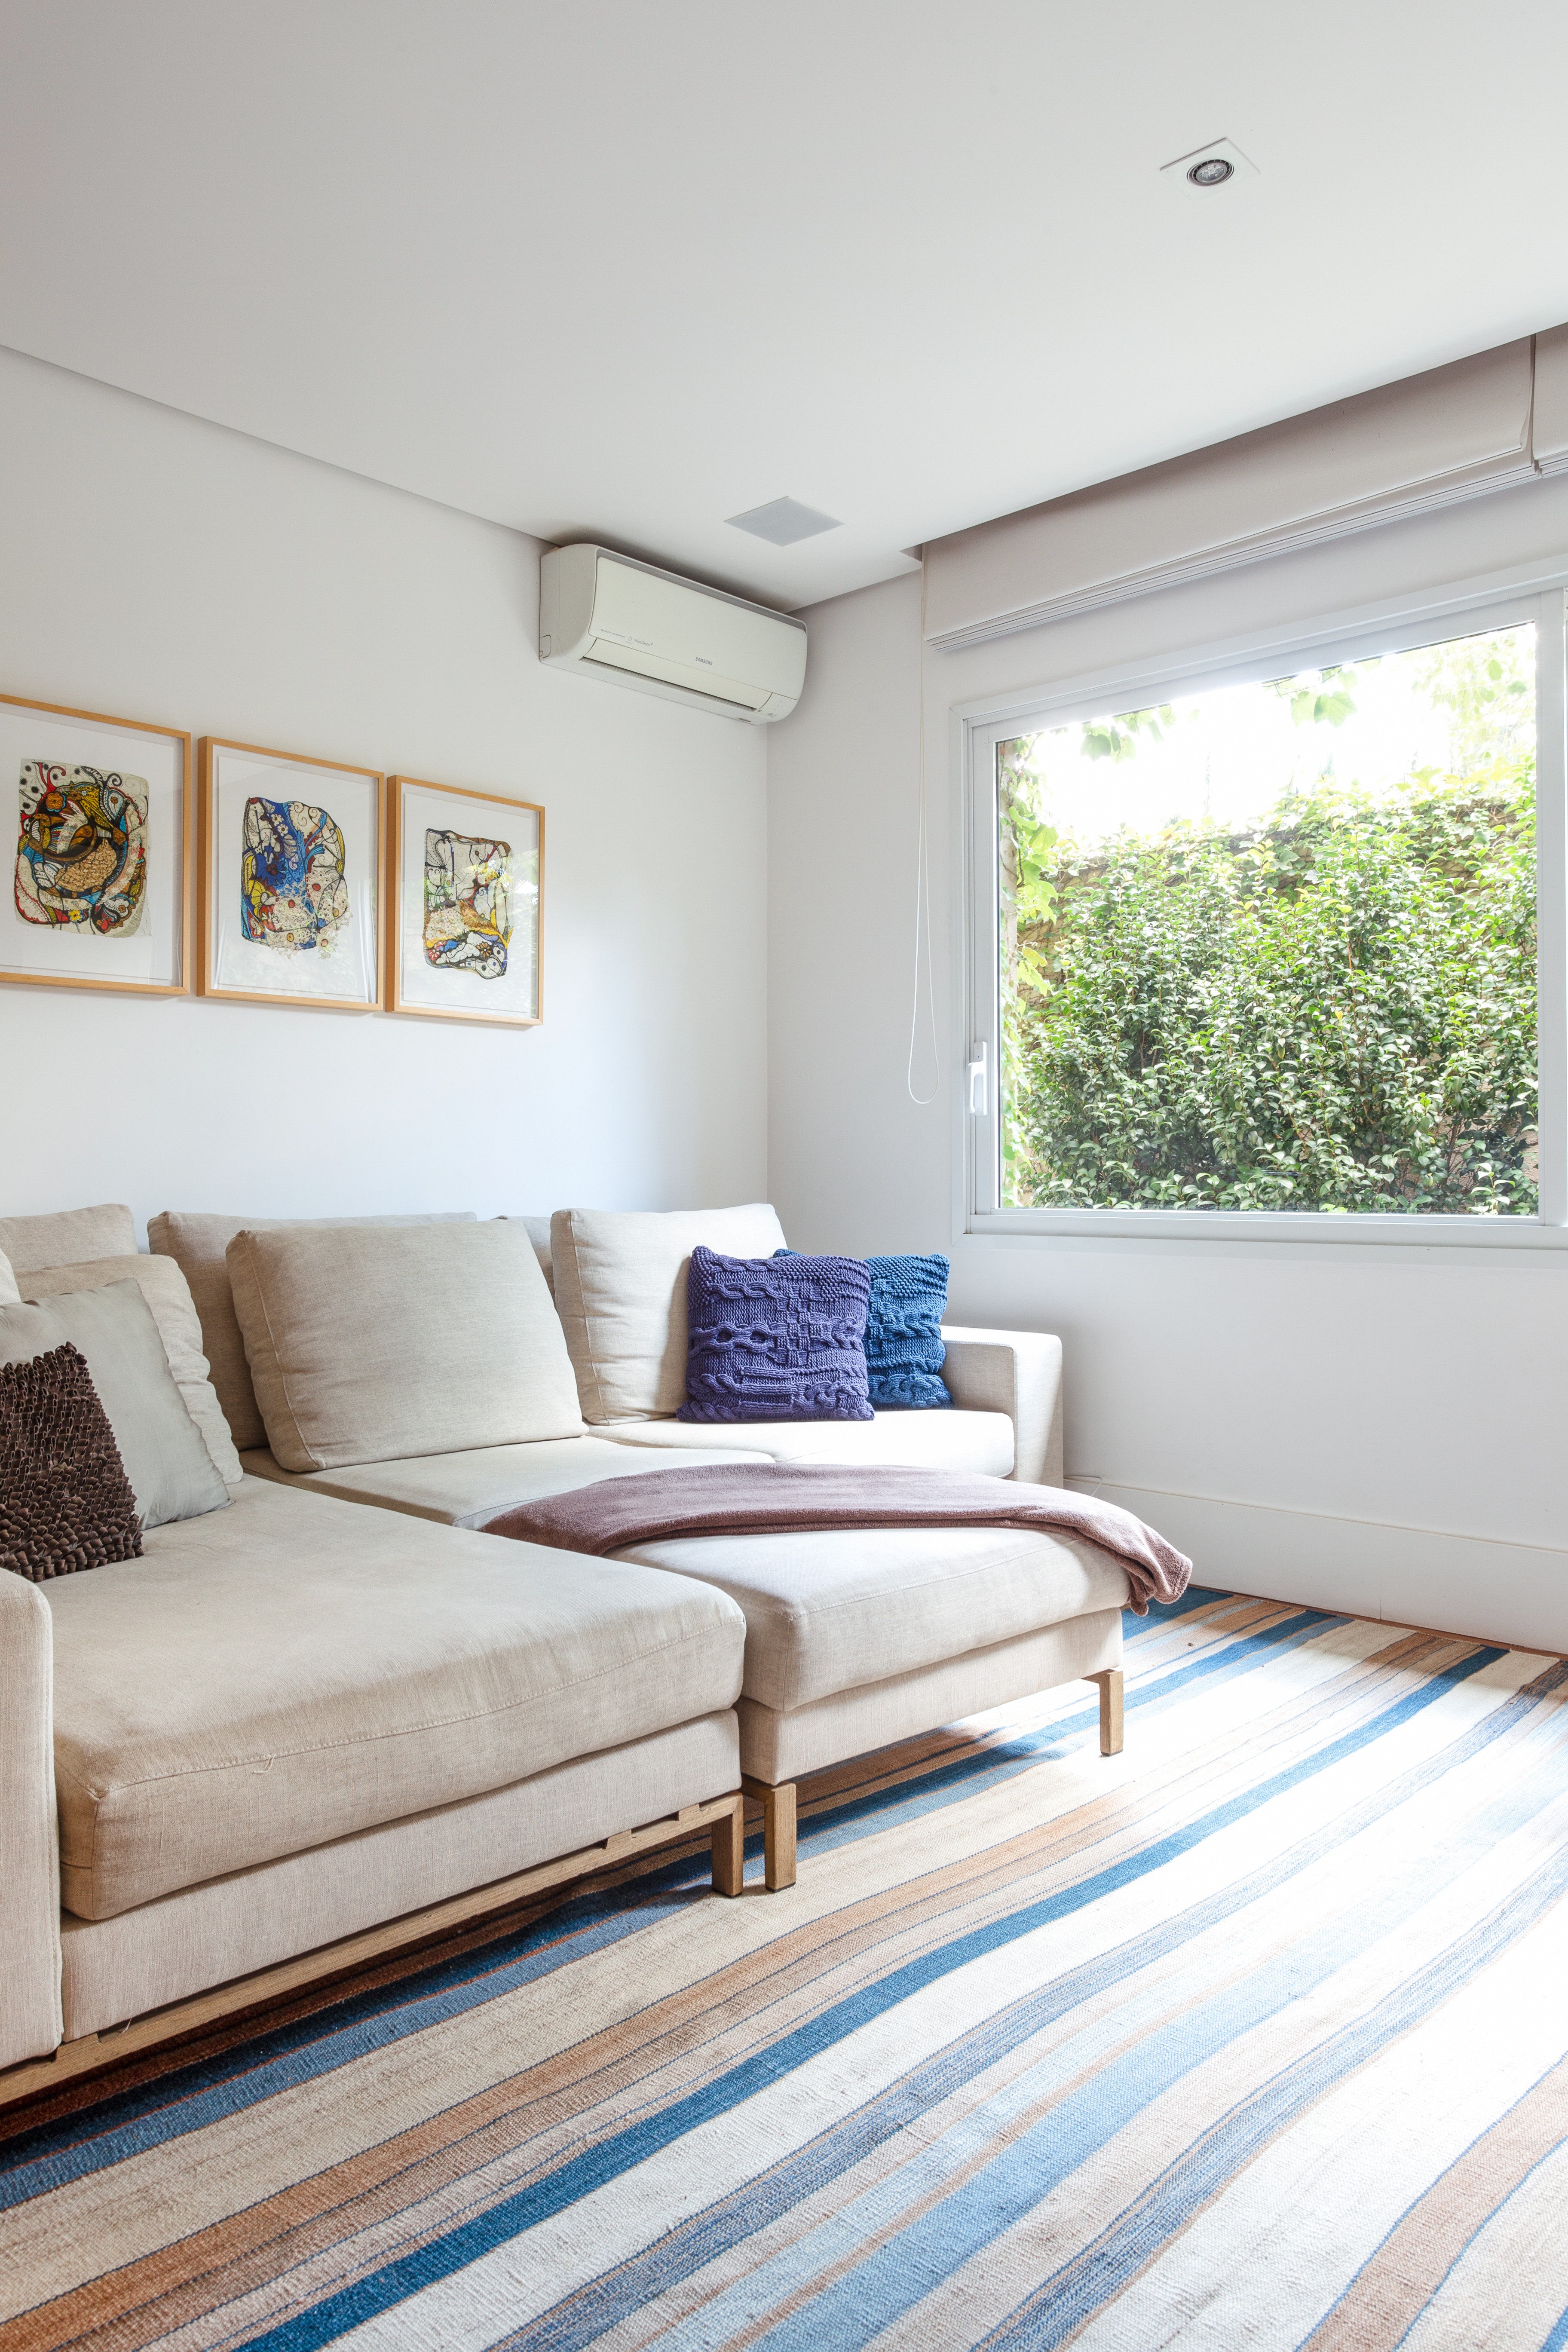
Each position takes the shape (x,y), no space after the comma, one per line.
(1273,947)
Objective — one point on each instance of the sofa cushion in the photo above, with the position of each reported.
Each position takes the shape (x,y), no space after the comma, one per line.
(929,1441)
(67,1236)
(9,1294)
(829,1610)
(367,1342)
(780,1339)
(198,1243)
(620,1287)
(469,1488)
(65,1503)
(297,1668)
(169,1467)
(168,1295)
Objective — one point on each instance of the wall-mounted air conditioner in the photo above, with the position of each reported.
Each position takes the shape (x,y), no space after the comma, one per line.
(611,617)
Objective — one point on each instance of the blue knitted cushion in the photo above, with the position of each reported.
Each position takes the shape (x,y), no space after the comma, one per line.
(904,1348)
(779,1339)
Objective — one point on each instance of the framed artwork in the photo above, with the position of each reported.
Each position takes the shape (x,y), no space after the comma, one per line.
(466,870)
(289,878)
(95,826)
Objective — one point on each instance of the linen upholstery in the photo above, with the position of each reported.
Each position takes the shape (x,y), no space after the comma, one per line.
(69,1236)
(165,1460)
(1018,1373)
(368,1342)
(468,1488)
(196,1241)
(620,1287)
(250,1919)
(932,1441)
(827,1610)
(297,1668)
(30,1912)
(168,1295)
(777,1744)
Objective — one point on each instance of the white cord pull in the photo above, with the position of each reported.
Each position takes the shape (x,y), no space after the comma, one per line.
(977,1079)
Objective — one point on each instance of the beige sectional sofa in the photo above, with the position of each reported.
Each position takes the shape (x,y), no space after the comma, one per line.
(300,1729)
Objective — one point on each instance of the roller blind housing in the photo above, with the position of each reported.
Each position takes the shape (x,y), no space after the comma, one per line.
(1478,425)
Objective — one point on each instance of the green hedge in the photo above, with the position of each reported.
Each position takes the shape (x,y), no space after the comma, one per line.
(1336,1012)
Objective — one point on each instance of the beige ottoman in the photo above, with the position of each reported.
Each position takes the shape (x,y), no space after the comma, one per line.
(857,1639)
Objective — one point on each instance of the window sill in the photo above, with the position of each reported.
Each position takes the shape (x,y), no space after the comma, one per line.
(1310,1228)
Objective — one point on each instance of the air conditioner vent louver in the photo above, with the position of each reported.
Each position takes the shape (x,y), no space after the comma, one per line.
(632,625)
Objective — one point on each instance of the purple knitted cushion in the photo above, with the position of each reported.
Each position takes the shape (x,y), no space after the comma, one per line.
(777,1338)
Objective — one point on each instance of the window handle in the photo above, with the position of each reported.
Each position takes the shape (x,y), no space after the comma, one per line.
(977,1079)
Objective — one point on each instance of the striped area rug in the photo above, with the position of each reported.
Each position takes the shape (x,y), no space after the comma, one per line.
(1256,2036)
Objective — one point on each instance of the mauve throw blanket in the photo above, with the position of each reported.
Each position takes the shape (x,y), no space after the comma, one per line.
(760,1498)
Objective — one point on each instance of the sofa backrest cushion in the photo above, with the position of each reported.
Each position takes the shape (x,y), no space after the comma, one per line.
(67,1237)
(168,1295)
(620,1290)
(169,1467)
(196,1241)
(368,1343)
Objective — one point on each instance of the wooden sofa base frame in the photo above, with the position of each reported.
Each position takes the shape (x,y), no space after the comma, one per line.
(777,1799)
(724,1815)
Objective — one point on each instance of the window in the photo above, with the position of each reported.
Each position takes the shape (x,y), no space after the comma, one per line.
(1270,945)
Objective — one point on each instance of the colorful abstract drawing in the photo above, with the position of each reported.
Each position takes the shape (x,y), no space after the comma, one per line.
(81,856)
(292,890)
(467,904)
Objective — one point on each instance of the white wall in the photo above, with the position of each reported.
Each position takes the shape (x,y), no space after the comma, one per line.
(1377,1429)
(158,568)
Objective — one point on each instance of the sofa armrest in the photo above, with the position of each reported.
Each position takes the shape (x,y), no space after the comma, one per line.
(1018,1373)
(30,2021)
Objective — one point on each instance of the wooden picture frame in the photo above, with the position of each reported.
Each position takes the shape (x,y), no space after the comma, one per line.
(145,820)
(254,938)
(432,906)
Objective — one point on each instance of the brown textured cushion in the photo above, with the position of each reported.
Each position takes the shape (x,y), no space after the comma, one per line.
(65,1500)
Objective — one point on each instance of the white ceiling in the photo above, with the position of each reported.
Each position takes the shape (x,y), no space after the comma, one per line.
(620,271)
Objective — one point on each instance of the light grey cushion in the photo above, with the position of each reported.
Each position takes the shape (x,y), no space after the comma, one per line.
(620,1287)
(196,1241)
(69,1236)
(167,1292)
(829,1610)
(368,1342)
(9,1292)
(298,1669)
(172,1472)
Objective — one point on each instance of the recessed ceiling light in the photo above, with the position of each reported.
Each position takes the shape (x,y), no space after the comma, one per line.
(783,520)
(1205,169)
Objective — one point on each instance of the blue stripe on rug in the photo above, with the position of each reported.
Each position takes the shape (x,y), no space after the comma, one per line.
(395,2281)
(1103,2271)
(598,2307)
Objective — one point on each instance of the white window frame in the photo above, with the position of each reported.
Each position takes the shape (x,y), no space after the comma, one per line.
(1460,609)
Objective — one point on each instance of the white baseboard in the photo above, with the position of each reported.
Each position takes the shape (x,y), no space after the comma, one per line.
(1497,1592)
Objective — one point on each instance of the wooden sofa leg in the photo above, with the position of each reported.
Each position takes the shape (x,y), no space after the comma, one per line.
(778,1830)
(1110,1683)
(729,1850)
